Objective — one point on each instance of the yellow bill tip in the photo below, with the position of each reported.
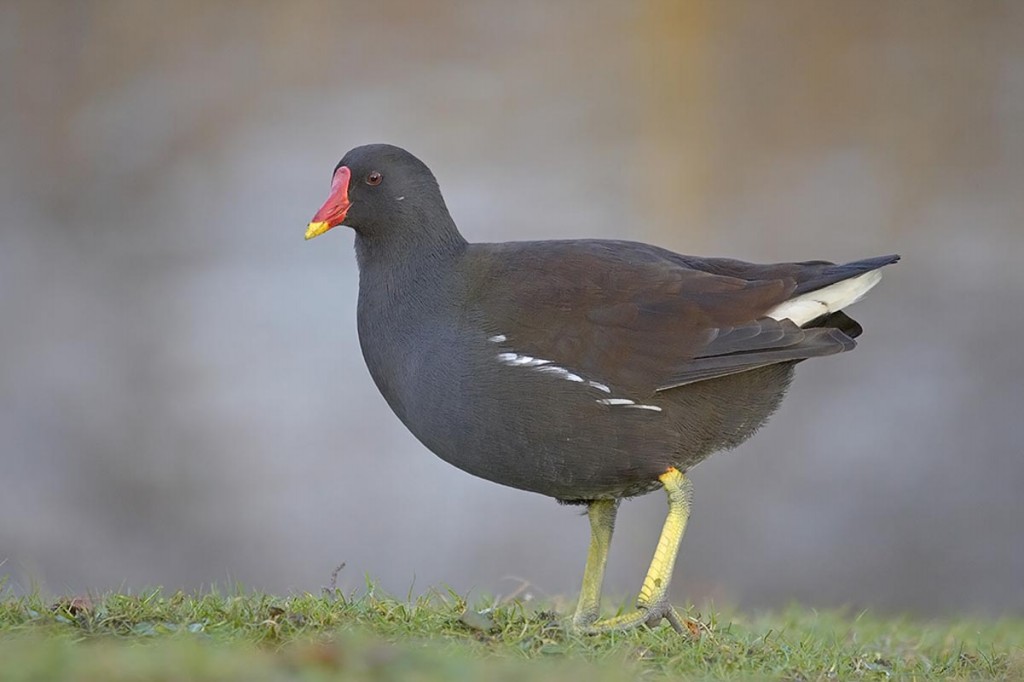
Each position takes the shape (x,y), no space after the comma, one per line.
(316,229)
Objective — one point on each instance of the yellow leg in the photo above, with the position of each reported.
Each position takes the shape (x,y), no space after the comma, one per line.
(602,523)
(652,603)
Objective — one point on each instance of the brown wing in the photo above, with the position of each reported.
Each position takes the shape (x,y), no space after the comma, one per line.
(634,316)
(808,275)
(764,342)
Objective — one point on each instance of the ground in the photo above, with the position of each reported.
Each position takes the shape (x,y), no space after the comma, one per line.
(249,636)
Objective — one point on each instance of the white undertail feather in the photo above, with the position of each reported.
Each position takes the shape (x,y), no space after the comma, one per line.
(805,307)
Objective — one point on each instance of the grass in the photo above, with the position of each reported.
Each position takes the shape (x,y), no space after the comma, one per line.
(251,636)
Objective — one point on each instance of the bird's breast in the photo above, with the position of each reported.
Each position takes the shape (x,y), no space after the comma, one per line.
(519,420)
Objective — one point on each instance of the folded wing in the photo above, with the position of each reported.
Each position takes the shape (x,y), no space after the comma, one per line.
(642,319)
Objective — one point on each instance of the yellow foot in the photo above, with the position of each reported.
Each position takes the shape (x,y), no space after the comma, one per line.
(649,616)
(652,603)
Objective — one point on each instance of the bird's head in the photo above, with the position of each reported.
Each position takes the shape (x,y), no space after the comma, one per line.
(379,188)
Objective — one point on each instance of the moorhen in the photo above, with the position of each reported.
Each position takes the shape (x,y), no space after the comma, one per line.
(586,370)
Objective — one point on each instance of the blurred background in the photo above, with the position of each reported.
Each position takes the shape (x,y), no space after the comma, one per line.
(182,400)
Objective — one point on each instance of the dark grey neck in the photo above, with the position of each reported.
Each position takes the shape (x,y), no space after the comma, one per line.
(400,261)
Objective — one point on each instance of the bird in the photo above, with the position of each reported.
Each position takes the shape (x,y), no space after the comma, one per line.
(587,370)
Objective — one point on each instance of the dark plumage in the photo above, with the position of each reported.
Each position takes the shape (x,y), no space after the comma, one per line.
(583,370)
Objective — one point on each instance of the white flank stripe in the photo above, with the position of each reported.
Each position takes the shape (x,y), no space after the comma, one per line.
(542,365)
(654,408)
(516,360)
(498,338)
(805,307)
(615,401)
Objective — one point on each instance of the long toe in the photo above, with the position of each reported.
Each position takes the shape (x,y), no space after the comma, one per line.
(668,613)
(649,616)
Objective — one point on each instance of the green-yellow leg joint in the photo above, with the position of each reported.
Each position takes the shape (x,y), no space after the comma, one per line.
(602,523)
(652,604)
(655,587)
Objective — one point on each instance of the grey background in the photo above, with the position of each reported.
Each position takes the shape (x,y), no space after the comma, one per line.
(182,400)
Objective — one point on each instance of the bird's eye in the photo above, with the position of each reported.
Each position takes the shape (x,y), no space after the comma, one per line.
(374,178)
